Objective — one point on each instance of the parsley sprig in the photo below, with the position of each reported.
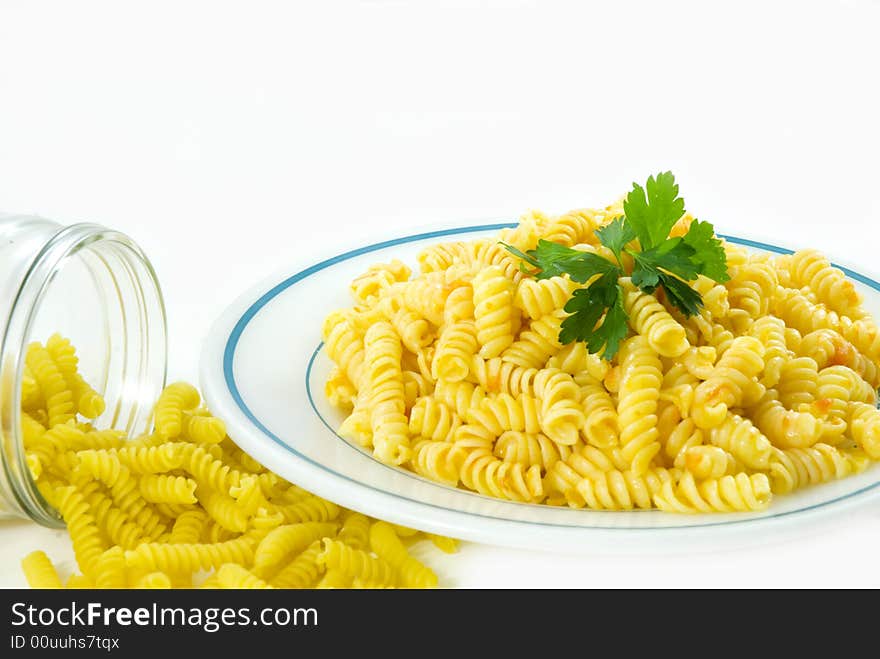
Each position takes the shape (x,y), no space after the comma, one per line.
(597,316)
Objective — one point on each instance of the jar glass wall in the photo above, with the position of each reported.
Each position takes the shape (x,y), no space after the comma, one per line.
(95,287)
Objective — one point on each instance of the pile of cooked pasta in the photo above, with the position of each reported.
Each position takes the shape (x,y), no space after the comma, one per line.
(457,374)
(184,506)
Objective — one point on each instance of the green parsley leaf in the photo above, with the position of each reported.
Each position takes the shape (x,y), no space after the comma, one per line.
(681,295)
(616,235)
(672,255)
(653,216)
(552,260)
(709,254)
(646,277)
(587,306)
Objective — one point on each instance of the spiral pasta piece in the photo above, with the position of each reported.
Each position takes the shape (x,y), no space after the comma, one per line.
(39,571)
(619,490)
(497,376)
(537,298)
(650,319)
(31,396)
(712,333)
(601,424)
(729,381)
(798,467)
(110,569)
(864,335)
(438,460)
(836,386)
(386,545)
(743,440)
(798,382)
(561,414)
(459,305)
(116,524)
(685,435)
(828,348)
(740,493)
(202,428)
(188,527)
(527,450)
(770,331)
(484,473)
(339,391)
(250,498)
(290,539)
(369,286)
(864,424)
(162,488)
(56,394)
(344,344)
(797,311)
(387,405)
(304,571)
(565,474)
(574,227)
(150,459)
(494,312)
(504,412)
(224,510)
(460,397)
(414,331)
(355,531)
(311,509)
(786,428)
(640,384)
(208,470)
(173,401)
(426,296)
(707,462)
(810,268)
(576,359)
(536,344)
(751,287)
(355,563)
(455,350)
(89,403)
(87,543)
(186,557)
(524,236)
(715,296)
(698,362)
(86,400)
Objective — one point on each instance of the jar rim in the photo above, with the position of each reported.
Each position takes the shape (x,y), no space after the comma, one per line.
(35,285)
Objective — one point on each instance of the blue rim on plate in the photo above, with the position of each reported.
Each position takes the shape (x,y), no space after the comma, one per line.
(242,323)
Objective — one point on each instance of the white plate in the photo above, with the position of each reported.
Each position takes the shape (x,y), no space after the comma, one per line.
(263,371)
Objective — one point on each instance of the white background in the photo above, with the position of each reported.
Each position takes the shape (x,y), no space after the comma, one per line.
(231,139)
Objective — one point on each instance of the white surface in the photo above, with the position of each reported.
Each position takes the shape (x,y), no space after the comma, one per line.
(288,425)
(230,139)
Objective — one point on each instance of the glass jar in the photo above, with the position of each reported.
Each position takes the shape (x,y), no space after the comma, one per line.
(95,287)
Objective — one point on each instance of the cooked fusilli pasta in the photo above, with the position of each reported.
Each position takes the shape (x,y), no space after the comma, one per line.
(779,367)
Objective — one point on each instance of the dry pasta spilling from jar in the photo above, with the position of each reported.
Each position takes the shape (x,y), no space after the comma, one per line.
(184,506)
(458,373)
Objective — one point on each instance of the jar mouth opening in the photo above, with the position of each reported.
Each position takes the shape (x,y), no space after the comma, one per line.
(135,338)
